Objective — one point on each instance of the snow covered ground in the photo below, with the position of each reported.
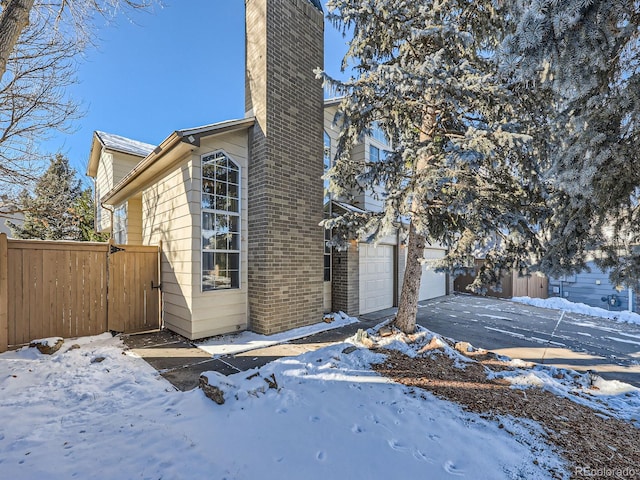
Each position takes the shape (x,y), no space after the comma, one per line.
(558,303)
(246,341)
(95,412)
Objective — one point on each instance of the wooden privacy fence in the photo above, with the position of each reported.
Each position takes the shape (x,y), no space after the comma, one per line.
(71,289)
(534,286)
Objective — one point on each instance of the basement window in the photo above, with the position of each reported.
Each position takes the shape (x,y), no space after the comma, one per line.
(220,222)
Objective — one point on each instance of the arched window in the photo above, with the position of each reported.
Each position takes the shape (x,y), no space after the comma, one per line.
(220,222)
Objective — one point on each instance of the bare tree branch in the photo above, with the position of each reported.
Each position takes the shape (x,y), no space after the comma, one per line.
(40,44)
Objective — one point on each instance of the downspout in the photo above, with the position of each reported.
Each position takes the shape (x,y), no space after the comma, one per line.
(100,204)
(111,214)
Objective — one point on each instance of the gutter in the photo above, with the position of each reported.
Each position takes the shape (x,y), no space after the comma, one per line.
(170,142)
(190,138)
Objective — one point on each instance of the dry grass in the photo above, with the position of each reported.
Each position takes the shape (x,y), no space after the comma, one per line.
(584,437)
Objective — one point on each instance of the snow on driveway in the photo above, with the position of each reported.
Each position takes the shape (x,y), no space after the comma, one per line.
(95,412)
(557,303)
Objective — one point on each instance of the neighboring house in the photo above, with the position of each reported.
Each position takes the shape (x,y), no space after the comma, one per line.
(236,205)
(593,288)
(14,217)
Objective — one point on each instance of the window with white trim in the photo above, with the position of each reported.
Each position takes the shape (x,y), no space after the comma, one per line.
(220,222)
(374,154)
(327,197)
(378,134)
(327,163)
(119,234)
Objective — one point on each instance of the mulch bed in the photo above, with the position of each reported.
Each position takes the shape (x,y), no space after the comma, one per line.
(591,442)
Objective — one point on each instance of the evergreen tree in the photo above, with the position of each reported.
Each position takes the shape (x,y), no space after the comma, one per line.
(84,212)
(50,214)
(587,56)
(462,170)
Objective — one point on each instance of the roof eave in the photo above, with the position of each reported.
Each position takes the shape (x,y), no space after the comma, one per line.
(151,165)
(120,192)
(193,136)
(94,156)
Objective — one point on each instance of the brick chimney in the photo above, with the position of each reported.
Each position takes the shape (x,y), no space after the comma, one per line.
(284,44)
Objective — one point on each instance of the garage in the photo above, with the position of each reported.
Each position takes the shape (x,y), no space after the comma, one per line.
(433,284)
(376,277)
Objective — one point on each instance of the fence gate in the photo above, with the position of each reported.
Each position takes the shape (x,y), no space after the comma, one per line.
(534,286)
(133,293)
(73,289)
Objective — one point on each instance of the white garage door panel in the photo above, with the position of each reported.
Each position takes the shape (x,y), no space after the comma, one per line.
(432,284)
(376,277)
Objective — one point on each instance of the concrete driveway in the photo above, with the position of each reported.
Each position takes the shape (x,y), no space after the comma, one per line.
(578,342)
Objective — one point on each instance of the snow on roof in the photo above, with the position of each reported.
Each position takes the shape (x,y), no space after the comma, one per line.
(211,127)
(125,145)
(348,207)
(328,102)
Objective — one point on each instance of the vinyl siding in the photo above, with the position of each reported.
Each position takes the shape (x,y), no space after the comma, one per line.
(122,165)
(167,219)
(134,220)
(360,152)
(369,201)
(584,288)
(171,214)
(104,182)
(330,128)
(221,311)
(112,168)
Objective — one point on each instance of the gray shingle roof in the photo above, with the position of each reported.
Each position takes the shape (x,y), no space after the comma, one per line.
(125,145)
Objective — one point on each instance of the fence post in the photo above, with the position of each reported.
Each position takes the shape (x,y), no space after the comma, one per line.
(4,294)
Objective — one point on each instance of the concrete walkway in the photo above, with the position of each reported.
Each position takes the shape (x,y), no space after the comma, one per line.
(181,362)
(534,334)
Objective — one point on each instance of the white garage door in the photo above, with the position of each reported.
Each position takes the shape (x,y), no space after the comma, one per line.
(376,277)
(432,284)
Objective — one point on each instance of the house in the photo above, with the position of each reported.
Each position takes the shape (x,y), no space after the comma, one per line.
(9,213)
(236,205)
(593,288)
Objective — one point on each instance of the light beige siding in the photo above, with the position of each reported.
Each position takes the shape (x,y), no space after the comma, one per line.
(166,219)
(122,165)
(112,167)
(171,214)
(330,128)
(358,154)
(134,220)
(104,183)
(364,200)
(371,199)
(221,311)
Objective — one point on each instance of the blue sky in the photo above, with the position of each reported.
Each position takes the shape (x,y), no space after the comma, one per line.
(153,73)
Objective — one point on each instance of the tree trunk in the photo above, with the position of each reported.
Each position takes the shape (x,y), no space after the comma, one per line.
(408,305)
(13,20)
